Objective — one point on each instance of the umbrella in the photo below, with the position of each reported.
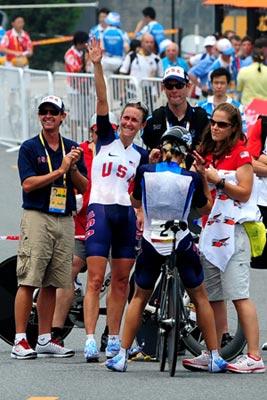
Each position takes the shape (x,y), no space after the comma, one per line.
(238,3)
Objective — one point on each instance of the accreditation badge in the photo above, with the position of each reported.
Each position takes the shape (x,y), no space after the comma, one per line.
(58,198)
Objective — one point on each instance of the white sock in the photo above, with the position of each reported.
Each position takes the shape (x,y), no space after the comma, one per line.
(114,337)
(90,336)
(44,339)
(123,352)
(214,353)
(19,337)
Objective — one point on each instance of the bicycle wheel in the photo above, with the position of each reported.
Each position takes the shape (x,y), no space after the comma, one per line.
(163,315)
(173,330)
(194,342)
(8,290)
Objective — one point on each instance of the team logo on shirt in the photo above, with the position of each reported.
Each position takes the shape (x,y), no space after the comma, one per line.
(107,169)
(220,242)
(41,160)
(229,221)
(222,196)
(213,219)
(244,154)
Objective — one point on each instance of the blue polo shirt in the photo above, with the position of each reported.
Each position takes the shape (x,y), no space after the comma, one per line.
(32,161)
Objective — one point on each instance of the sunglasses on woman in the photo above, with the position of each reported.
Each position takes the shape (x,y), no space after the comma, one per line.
(176,85)
(220,124)
(52,111)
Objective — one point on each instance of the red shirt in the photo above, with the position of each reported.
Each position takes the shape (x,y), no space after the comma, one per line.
(18,42)
(238,156)
(80,219)
(74,60)
(254,144)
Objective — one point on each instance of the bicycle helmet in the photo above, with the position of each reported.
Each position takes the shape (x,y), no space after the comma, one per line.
(179,137)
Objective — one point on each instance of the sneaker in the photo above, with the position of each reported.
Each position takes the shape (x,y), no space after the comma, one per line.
(53,349)
(264,346)
(199,363)
(246,365)
(134,351)
(217,364)
(117,363)
(23,351)
(91,352)
(113,348)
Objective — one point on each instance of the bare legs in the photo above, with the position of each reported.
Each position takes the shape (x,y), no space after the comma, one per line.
(117,297)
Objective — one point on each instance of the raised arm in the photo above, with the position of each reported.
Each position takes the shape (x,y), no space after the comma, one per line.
(95,54)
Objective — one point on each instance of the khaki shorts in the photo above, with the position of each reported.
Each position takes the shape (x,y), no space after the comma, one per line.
(233,283)
(45,250)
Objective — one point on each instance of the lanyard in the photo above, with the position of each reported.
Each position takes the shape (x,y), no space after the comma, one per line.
(48,156)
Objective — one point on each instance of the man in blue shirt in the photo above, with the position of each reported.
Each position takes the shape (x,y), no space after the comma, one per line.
(172,59)
(149,25)
(50,167)
(115,43)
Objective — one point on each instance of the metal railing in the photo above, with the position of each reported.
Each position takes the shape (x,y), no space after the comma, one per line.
(22,90)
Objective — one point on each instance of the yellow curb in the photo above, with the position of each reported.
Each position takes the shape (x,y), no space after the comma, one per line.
(43,398)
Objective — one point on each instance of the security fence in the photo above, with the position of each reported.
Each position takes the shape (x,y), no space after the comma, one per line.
(22,89)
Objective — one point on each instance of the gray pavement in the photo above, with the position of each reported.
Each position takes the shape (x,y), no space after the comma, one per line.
(73,379)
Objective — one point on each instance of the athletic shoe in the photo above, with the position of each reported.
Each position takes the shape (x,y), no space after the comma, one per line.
(264,346)
(217,364)
(199,363)
(117,363)
(134,351)
(23,351)
(113,347)
(53,349)
(246,365)
(91,352)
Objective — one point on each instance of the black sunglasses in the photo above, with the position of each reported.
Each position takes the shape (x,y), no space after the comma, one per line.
(220,124)
(52,111)
(176,85)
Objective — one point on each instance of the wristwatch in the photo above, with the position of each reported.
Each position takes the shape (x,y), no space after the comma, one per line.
(220,185)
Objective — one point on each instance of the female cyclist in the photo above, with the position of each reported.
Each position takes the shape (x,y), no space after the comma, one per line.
(111,220)
(167,192)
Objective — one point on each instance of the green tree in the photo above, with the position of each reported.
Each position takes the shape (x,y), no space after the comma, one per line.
(46,23)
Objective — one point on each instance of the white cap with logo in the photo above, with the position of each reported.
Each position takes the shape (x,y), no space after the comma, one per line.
(55,100)
(176,73)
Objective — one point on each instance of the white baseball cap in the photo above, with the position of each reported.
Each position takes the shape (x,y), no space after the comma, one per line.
(209,41)
(163,45)
(55,100)
(225,47)
(113,18)
(112,119)
(176,73)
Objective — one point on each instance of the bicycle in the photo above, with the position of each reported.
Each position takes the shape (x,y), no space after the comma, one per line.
(169,320)
(147,335)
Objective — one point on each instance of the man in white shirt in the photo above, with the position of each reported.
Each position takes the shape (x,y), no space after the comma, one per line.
(145,64)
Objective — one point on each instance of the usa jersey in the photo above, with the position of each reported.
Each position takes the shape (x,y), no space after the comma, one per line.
(167,192)
(114,166)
